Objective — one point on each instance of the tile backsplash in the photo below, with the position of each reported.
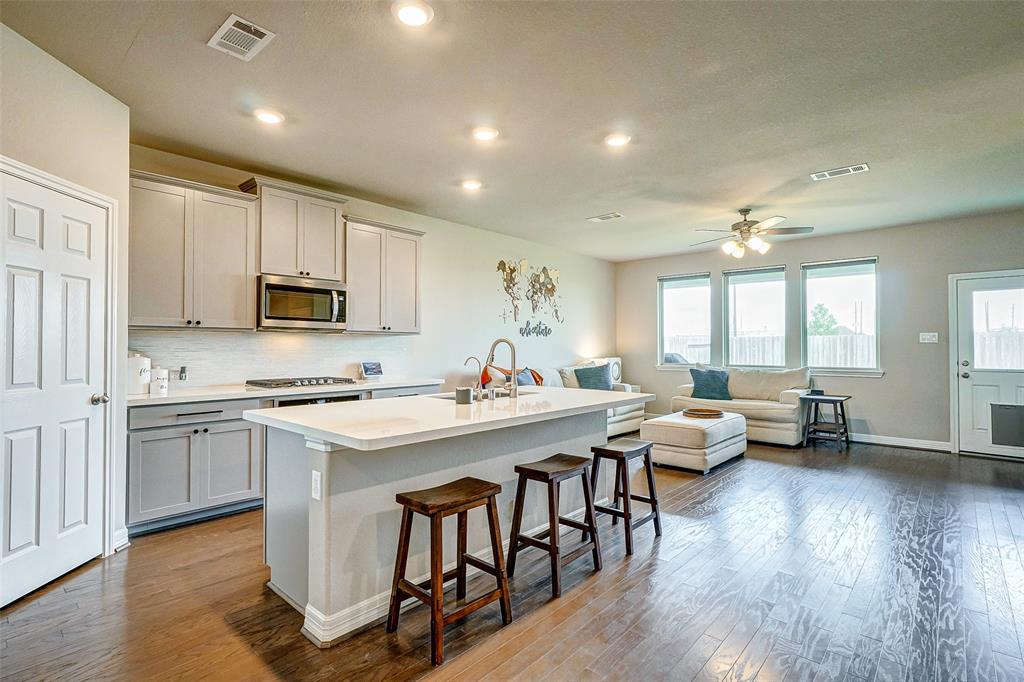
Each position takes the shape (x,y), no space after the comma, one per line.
(214,357)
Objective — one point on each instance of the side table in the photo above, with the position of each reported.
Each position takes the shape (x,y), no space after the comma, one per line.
(837,430)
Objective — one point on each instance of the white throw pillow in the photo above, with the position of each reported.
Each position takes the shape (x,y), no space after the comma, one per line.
(568,374)
(764,384)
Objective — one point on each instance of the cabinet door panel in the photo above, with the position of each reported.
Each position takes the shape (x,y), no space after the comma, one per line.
(231,462)
(162,473)
(225,267)
(402,264)
(160,255)
(323,234)
(280,232)
(364,256)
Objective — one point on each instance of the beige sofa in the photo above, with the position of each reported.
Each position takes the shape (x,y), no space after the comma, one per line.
(620,419)
(769,399)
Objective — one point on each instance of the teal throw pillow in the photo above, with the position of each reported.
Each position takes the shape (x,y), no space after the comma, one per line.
(599,377)
(710,384)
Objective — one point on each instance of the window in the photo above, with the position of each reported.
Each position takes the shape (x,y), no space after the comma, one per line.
(998,328)
(685,308)
(840,315)
(755,317)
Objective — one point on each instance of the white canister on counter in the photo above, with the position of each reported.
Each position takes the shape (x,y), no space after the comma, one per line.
(159,381)
(138,373)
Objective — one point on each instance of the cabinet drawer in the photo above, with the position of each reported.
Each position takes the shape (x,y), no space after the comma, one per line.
(188,413)
(399,392)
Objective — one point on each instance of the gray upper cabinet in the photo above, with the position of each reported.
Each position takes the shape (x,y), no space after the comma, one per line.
(302,229)
(192,255)
(383,264)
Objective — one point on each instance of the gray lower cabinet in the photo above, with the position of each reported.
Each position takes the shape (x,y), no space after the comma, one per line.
(178,470)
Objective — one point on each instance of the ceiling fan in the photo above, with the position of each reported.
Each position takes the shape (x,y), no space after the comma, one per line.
(748,233)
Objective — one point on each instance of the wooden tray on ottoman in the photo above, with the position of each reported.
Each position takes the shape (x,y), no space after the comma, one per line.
(703,413)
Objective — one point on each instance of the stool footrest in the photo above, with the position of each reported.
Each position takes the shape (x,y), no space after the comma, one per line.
(578,552)
(409,589)
(573,523)
(535,542)
(642,520)
(472,606)
(609,510)
(481,564)
(641,498)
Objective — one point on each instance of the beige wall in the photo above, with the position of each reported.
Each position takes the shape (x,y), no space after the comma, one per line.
(912,399)
(462,304)
(54,120)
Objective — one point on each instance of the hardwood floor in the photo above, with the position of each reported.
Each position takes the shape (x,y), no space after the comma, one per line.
(880,564)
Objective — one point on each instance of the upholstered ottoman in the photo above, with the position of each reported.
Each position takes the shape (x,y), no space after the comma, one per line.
(693,443)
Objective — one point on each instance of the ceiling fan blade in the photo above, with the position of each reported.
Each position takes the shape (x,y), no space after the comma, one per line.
(708,241)
(701,229)
(770,222)
(788,230)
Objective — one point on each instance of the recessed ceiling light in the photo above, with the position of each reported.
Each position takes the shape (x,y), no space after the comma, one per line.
(268,116)
(617,140)
(412,12)
(471,185)
(485,134)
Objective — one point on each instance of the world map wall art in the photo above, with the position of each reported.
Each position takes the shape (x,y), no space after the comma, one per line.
(523,284)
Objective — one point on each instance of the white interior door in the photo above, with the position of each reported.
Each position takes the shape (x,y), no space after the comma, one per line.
(990,367)
(55,355)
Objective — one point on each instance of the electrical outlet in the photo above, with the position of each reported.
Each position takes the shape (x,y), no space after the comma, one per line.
(316,486)
(928,337)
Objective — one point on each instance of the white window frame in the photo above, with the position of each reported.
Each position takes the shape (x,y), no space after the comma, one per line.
(726,274)
(659,361)
(874,372)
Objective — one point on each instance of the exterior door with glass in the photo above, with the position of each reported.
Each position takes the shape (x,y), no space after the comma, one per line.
(990,365)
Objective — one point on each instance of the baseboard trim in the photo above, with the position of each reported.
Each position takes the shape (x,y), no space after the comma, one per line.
(326,630)
(120,539)
(896,441)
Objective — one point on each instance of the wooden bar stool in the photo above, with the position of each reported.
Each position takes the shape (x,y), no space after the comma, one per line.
(553,471)
(457,497)
(621,452)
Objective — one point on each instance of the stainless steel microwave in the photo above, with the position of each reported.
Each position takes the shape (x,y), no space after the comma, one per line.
(298,303)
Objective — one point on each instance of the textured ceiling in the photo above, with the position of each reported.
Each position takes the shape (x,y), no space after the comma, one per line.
(730,104)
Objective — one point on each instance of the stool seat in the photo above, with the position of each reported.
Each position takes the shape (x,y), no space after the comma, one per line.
(448,498)
(554,468)
(623,448)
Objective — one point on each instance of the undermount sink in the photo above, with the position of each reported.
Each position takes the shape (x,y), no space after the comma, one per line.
(497,394)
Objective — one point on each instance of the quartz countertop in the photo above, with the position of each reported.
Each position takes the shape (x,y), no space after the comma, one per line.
(194,394)
(379,424)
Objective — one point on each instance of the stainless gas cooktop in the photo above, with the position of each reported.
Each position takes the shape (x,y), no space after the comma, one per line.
(298,381)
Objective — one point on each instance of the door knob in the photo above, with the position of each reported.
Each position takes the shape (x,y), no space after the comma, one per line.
(965,375)
(99,399)
(965,363)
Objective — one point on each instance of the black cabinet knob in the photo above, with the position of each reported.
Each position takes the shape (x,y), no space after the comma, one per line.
(206,430)
(188,321)
(198,323)
(195,431)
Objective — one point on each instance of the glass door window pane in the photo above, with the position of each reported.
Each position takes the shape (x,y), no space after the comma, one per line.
(840,315)
(685,320)
(755,318)
(999,329)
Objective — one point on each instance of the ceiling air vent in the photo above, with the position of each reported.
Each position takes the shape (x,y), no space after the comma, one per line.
(240,38)
(604,217)
(836,172)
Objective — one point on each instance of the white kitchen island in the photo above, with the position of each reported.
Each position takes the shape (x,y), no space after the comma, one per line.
(332,473)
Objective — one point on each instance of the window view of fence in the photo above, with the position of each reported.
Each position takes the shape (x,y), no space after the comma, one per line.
(999,329)
(755,319)
(685,320)
(840,315)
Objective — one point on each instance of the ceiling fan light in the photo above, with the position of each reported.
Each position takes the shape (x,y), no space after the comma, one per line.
(755,243)
(763,249)
(739,251)
(729,247)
